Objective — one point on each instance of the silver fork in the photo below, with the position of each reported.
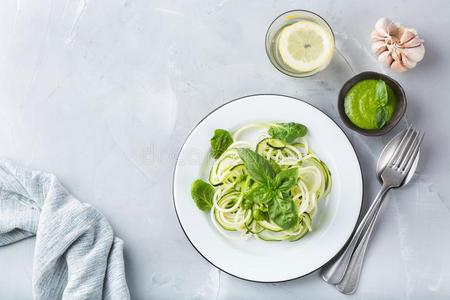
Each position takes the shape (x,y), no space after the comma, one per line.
(345,271)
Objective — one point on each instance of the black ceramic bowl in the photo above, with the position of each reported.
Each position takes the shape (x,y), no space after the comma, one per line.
(400,107)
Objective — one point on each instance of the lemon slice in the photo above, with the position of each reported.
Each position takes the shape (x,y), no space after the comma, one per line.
(305,46)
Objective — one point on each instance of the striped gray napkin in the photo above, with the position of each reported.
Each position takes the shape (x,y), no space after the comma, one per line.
(76,254)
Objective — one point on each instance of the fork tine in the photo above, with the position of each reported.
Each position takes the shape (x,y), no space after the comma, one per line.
(409,152)
(397,148)
(404,147)
(403,142)
(414,153)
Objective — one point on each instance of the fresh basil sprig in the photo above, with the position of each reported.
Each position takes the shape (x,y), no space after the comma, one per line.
(257,167)
(271,188)
(220,142)
(287,132)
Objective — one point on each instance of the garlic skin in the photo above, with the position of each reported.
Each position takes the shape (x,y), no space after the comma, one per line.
(396,46)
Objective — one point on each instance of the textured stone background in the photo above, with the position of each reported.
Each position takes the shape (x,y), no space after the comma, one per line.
(103,93)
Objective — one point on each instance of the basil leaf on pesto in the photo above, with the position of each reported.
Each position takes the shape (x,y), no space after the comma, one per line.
(381,93)
(381,117)
(370,104)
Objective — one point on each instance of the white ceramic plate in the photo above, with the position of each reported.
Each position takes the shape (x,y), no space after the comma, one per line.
(254,259)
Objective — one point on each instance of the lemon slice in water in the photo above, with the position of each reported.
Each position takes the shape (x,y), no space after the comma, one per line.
(305,46)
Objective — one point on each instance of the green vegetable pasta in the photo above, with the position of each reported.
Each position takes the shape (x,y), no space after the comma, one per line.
(269,189)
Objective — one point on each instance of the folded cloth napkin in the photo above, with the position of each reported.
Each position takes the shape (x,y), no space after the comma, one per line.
(76,254)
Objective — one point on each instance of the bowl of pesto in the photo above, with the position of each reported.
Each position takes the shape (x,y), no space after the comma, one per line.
(371,103)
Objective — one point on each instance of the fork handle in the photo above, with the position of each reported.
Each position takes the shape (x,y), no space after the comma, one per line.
(334,272)
(350,282)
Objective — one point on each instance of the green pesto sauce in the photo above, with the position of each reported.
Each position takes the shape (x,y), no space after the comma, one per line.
(361,104)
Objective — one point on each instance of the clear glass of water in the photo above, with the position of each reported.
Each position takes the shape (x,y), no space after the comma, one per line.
(273,34)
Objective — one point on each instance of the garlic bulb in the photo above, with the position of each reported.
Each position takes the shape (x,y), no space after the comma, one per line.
(397,47)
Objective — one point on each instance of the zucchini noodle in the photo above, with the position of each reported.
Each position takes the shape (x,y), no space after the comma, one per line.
(230,180)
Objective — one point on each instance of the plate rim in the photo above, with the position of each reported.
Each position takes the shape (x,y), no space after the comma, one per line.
(237,99)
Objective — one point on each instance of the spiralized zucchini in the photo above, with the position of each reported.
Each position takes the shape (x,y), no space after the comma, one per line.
(228,175)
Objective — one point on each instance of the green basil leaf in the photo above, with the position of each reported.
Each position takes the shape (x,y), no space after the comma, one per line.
(287,132)
(202,193)
(283,213)
(220,142)
(381,117)
(381,93)
(259,194)
(286,179)
(257,167)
